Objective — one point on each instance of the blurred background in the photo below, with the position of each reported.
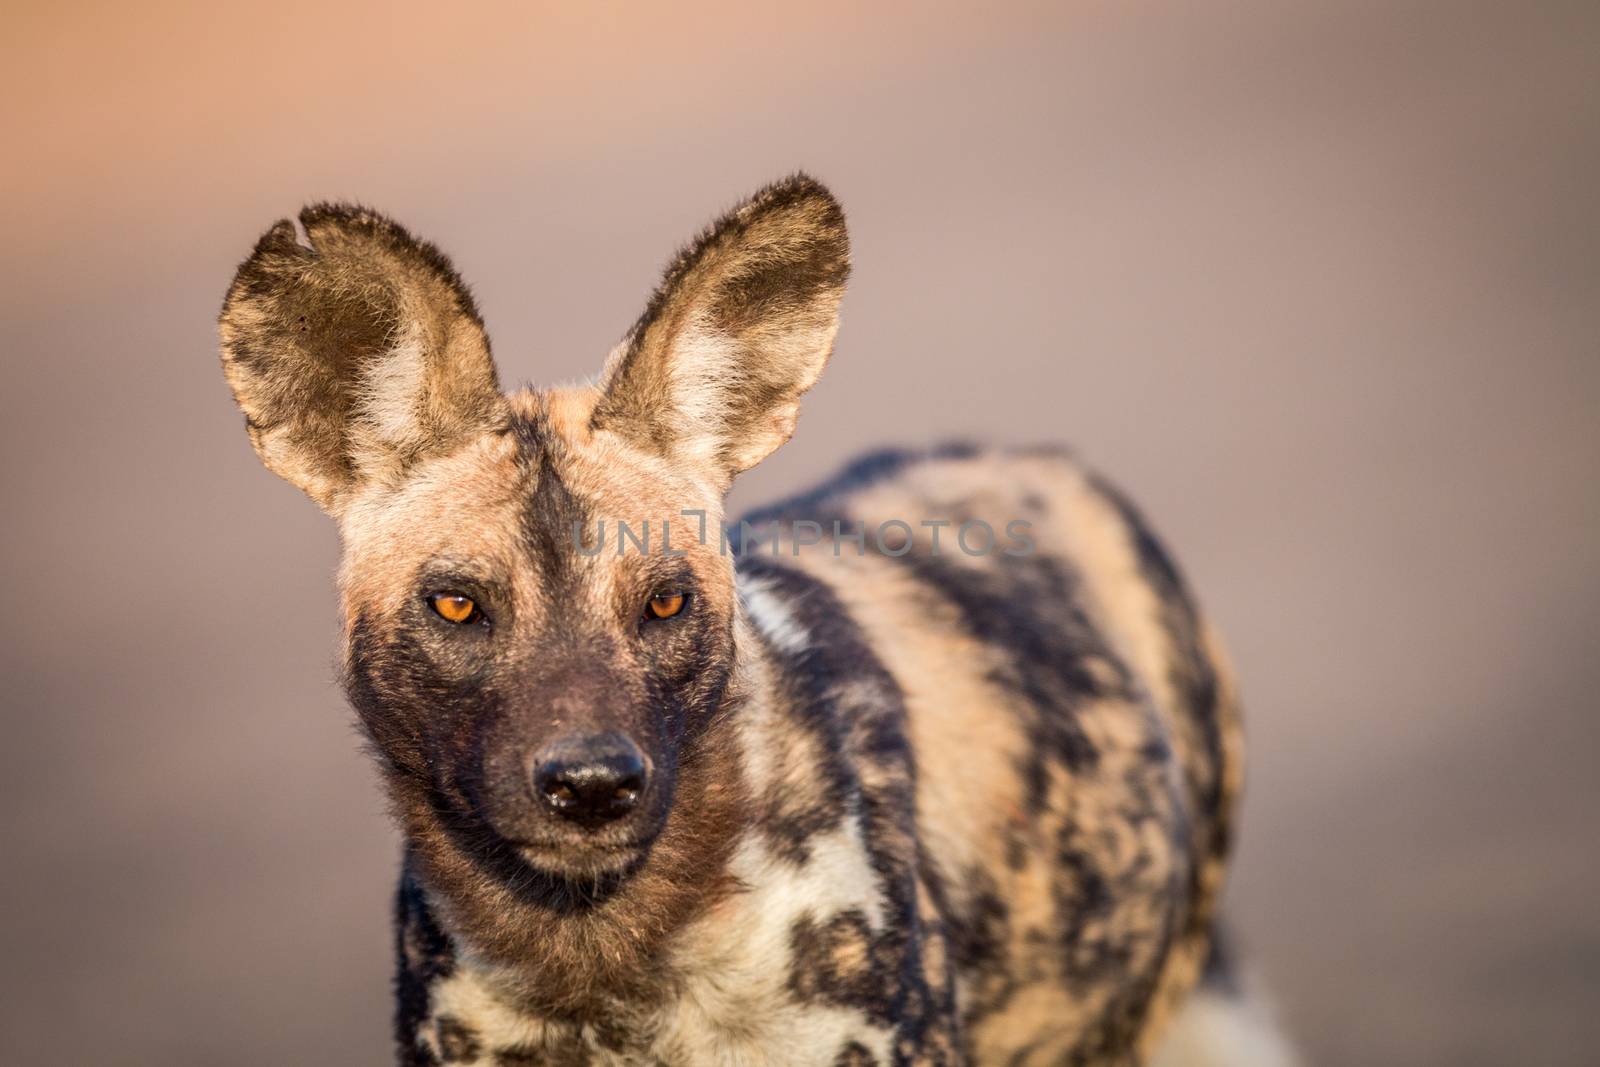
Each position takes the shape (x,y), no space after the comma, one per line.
(1319,283)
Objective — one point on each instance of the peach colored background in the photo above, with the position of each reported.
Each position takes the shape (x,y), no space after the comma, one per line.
(1318,282)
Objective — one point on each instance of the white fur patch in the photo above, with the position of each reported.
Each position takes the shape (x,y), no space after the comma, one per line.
(705,371)
(773,617)
(736,1007)
(1219,1031)
(392,393)
(467,998)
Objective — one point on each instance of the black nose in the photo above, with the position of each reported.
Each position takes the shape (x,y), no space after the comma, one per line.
(590,780)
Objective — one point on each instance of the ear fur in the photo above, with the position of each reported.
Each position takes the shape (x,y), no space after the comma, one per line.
(741,325)
(355,354)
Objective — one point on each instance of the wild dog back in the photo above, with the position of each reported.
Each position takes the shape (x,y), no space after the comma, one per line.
(1046,701)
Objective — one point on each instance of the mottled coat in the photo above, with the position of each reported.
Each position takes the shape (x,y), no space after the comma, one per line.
(891,791)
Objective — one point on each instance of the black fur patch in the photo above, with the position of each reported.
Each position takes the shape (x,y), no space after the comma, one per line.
(458,1043)
(855,1054)
(837,962)
(424,955)
(1221,972)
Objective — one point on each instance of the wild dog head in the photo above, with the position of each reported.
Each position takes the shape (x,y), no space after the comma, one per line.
(536,690)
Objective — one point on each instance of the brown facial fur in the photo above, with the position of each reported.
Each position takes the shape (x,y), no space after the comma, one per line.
(567,644)
(905,807)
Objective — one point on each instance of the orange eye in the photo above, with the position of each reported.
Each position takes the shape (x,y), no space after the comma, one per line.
(664,607)
(455,607)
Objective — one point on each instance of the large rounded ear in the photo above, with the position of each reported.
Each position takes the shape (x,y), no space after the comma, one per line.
(742,324)
(354,354)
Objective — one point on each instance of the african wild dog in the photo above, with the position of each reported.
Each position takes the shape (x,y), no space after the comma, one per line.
(857,801)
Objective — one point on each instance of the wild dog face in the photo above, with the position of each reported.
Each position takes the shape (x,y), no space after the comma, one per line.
(537,693)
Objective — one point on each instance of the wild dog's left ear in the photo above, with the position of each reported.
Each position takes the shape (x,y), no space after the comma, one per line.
(741,326)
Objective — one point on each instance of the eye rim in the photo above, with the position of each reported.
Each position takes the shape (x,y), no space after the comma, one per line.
(648,613)
(474,616)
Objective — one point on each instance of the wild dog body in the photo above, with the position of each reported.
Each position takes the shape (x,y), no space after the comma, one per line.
(846,802)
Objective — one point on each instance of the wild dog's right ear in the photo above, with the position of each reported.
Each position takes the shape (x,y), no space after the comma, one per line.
(355,354)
